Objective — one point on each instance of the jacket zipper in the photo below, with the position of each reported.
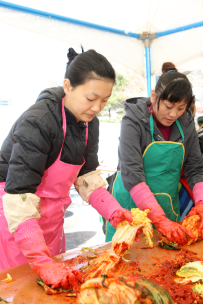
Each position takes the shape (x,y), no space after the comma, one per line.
(161,138)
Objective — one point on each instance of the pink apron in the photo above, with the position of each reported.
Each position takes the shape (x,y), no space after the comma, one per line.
(54,193)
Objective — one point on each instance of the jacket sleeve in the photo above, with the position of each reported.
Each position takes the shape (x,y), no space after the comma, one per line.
(200,137)
(130,154)
(91,153)
(193,164)
(32,144)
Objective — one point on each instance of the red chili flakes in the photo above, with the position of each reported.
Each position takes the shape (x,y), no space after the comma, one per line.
(119,248)
(181,294)
(148,247)
(76,261)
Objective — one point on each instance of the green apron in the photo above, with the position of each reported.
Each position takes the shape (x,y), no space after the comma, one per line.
(162,164)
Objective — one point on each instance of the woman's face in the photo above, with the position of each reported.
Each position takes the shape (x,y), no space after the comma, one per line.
(168,112)
(87,100)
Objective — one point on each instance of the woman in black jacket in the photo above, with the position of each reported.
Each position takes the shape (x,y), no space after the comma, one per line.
(51,146)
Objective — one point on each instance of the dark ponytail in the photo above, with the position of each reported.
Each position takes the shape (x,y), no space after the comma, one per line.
(87,65)
(174,87)
(71,55)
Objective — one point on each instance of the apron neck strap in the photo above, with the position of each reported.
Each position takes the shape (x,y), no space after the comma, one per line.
(180,130)
(86,135)
(151,120)
(64,129)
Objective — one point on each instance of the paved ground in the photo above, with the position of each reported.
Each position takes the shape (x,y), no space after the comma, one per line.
(81,224)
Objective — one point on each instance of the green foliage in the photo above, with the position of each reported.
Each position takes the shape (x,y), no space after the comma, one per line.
(118,96)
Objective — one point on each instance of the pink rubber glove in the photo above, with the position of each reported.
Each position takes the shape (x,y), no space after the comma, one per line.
(107,205)
(29,238)
(198,192)
(110,209)
(198,200)
(198,210)
(144,199)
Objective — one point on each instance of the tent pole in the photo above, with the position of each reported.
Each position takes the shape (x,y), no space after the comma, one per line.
(48,15)
(179,29)
(148,65)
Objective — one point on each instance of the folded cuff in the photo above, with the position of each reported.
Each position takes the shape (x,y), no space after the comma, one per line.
(89,182)
(19,208)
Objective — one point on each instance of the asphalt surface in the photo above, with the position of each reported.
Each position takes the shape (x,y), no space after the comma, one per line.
(82,224)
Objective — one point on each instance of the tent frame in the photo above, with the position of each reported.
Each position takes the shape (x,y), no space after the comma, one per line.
(146,37)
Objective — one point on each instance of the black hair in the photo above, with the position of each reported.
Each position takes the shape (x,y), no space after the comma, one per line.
(174,87)
(87,65)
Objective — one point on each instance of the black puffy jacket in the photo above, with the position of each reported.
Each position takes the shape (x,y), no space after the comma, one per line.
(35,140)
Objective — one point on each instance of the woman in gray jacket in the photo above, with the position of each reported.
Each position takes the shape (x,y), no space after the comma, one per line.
(156,141)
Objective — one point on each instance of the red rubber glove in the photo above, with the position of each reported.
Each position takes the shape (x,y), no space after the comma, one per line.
(137,234)
(144,199)
(123,215)
(120,215)
(198,210)
(29,238)
(174,232)
(58,275)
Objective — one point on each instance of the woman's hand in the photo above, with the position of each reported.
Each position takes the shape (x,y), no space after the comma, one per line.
(120,215)
(198,210)
(123,215)
(58,275)
(174,232)
(29,238)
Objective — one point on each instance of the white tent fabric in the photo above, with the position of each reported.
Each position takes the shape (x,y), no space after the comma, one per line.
(125,50)
(142,17)
(179,48)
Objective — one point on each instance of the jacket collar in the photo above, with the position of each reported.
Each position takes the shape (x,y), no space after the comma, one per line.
(55,95)
(70,118)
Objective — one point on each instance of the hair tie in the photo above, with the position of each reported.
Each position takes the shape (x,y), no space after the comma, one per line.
(171,71)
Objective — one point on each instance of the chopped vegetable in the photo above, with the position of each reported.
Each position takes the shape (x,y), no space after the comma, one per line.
(4,301)
(191,272)
(122,289)
(164,243)
(88,249)
(198,288)
(192,223)
(126,233)
(122,241)
(104,264)
(8,279)
(92,256)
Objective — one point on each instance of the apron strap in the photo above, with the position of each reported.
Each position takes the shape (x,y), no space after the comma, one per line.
(181,130)
(86,139)
(151,120)
(64,129)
